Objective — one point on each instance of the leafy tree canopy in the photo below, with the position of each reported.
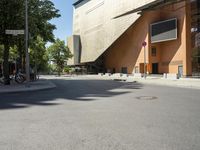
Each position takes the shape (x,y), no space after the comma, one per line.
(59,54)
(38,54)
(12,16)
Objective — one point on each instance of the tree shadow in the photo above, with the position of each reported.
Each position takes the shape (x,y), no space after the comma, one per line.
(71,90)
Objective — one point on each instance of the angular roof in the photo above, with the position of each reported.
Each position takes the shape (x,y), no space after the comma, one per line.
(76,2)
(154,4)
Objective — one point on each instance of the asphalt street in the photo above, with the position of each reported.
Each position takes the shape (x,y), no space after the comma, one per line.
(82,114)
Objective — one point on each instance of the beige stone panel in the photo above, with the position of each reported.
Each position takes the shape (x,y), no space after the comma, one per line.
(73,43)
(71,48)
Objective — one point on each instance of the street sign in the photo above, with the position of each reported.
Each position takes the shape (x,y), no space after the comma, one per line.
(144,44)
(197,40)
(15,32)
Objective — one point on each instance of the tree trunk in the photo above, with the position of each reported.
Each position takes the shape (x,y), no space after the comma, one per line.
(20,47)
(59,70)
(6,73)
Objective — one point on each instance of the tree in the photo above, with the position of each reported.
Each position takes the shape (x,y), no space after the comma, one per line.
(13,53)
(12,14)
(1,53)
(59,54)
(1,59)
(8,17)
(38,55)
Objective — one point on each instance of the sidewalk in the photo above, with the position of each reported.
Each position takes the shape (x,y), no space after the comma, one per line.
(183,82)
(41,84)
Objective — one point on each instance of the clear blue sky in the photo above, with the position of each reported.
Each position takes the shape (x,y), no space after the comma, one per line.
(64,23)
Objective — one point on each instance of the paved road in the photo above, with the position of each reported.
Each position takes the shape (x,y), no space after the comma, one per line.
(85,114)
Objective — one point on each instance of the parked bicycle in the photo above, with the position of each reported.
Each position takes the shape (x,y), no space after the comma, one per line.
(17,77)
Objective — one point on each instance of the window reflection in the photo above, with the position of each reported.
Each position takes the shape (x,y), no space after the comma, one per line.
(195,31)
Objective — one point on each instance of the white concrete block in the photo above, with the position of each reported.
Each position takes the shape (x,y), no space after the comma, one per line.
(138,75)
(108,74)
(124,75)
(100,74)
(117,75)
(164,75)
(172,76)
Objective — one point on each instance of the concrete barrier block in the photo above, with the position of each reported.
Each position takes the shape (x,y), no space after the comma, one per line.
(172,76)
(108,74)
(117,75)
(124,75)
(100,74)
(138,75)
(164,75)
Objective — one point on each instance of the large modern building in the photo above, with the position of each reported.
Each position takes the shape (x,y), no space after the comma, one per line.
(128,36)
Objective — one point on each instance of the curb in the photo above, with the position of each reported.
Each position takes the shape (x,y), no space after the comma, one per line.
(181,83)
(170,85)
(29,88)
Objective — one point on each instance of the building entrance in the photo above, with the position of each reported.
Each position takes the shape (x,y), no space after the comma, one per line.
(180,71)
(154,68)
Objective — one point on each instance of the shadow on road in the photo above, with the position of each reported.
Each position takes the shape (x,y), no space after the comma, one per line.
(72,89)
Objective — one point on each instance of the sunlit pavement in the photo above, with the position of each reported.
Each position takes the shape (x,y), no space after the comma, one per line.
(94,114)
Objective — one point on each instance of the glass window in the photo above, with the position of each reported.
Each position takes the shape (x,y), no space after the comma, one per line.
(195,34)
(153,51)
(124,70)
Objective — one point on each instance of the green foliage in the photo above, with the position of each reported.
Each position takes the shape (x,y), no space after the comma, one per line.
(38,55)
(40,12)
(67,69)
(12,16)
(59,54)
(1,53)
(13,53)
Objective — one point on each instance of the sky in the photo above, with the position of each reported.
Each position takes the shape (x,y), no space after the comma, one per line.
(64,23)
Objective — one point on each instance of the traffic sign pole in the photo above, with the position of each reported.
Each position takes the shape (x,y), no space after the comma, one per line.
(144,44)
(26,43)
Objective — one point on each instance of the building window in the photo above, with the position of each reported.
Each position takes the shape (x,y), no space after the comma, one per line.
(113,71)
(124,70)
(153,51)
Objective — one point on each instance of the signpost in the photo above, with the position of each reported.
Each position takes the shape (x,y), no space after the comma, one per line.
(144,44)
(26,43)
(21,32)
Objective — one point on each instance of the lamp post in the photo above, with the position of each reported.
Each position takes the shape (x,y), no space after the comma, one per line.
(26,42)
(144,44)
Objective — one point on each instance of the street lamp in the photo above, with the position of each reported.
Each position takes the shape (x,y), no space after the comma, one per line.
(26,42)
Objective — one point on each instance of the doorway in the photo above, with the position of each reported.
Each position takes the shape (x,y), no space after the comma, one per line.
(180,71)
(154,68)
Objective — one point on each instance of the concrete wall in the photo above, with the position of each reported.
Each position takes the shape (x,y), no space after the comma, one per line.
(74,46)
(94,22)
(128,52)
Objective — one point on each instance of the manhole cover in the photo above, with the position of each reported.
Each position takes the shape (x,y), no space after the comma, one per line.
(146,97)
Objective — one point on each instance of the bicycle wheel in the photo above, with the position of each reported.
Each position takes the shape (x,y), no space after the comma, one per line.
(19,78)
(2,80)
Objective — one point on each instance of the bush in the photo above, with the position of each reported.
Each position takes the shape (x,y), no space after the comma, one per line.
(67,69)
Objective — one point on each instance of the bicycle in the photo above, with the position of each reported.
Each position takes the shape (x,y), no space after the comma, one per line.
(18,78)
